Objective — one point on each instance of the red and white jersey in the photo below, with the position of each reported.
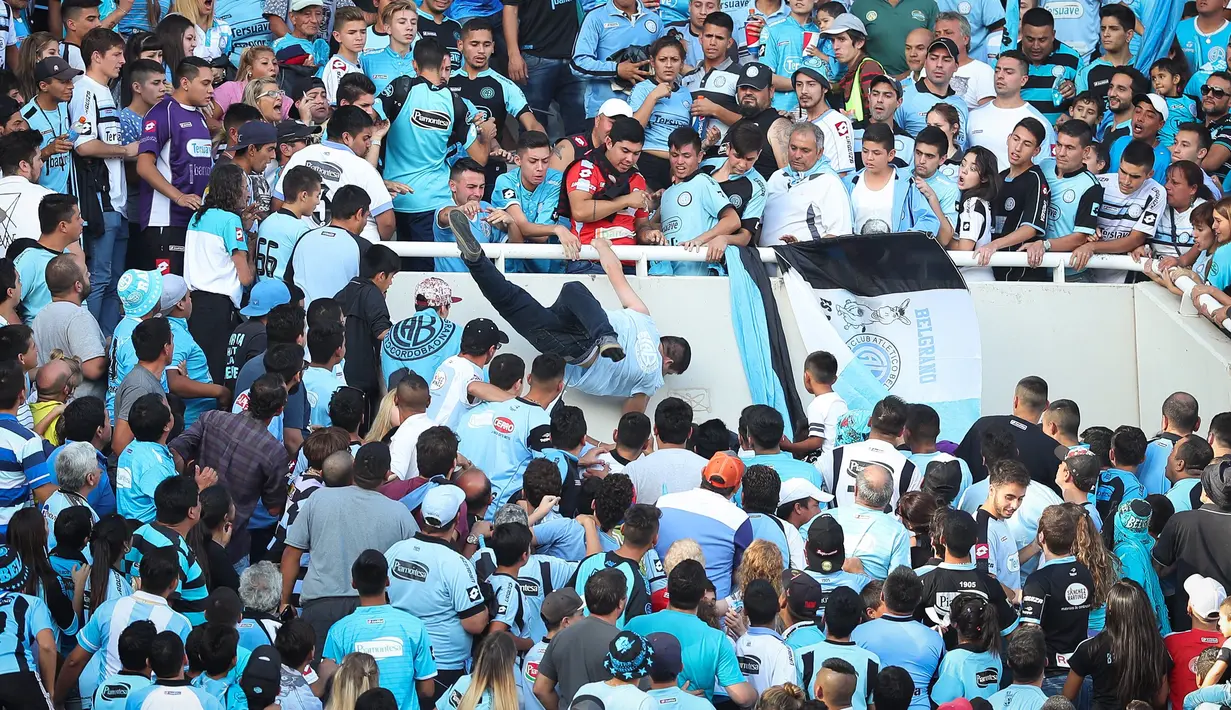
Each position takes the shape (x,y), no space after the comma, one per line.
(839,148)
(332,73)
(619,228)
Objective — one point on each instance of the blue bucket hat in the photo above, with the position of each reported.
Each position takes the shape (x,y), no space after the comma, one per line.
(629,656)
(140,291)
(13,572)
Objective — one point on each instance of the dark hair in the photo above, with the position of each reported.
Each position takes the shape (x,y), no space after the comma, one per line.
(1079,130)
(683,137)
(922,422)
(632,431)
(1098,440)
(219,642)
(1128,446)
(295,640)
(902,591)
(1059,529)
(510,542)
(547,367)
(1026,650)
(238,114)
(378,698)
(668,41)
(379,259)
(12,383)
(18,147)
(959,533)
(8,277)
(349,200)
(1181,408)
(505,370)
(72,528)
(324,340)
(686,585)
(465,165)
(933,136)
(159,568)
(298,180)
(997,443)
(1067,416)
(323,443)
(82,419)
(284,360)
(1138,153)
(348,120)
(189,67)
(150,337)
(167,655)
(626,129)
(436,451)
(174,498)
(1161,510)
(108,542)
(762,425)
(100,40)
(760,602)
(134,645)
(1194,451)
(170,32)
(1133,641)
(284,324)
(615,495)
(822,367)
(878,134)
(604,591)
(1119,13)
(673,420)
(370,573)
(1171,66)
(976,621)
(429,54)
(641,524)
(1035,128)
(1038,17)
(541,478)
(889,416)
(53,209)
(477,24)
(324,311)
(709,437)
(148,417)
(226,190)
(762,486)
(718,18)
(844,610)
(529,140)
(351,87)
(678,350)
(372,463)
(568,427)
(1008,472)
(894,688)
(744,137)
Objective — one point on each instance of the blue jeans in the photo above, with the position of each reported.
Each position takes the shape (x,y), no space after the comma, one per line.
(569,327)
(552,79)
(1054,685)
(105,260)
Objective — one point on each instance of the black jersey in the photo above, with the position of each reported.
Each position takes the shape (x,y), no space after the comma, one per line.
(945,581)
(1058,596)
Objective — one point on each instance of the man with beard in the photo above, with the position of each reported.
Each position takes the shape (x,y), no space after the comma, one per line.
(884,98)
(1126,82)
(811,86)
(1215,100)
(695,212)
(754,95)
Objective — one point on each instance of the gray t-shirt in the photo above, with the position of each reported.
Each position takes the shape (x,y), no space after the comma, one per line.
(575,656)
(665,471)
(66,326)
(335,525)
(136,383)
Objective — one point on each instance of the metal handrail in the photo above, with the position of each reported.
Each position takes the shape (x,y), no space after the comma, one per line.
(642,255)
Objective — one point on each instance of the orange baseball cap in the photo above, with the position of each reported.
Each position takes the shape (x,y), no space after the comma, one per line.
(725,470)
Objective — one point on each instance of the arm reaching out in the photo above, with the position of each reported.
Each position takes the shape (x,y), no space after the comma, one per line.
(615,274)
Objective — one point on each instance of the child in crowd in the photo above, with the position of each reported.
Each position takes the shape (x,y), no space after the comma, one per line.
(1167,78)
(1085,107)
(825,412)
(350,31)
(134,651)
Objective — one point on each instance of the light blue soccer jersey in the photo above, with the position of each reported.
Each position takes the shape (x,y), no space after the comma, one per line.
(500,438)
(320,384)
(249,26)
(385,65)
(539,205)
(688,209)
(112,693)
(708,656)
(981,14)
(141,467)
(57,174)
(22,617)
(922,461)
(808,660)
(420,344)
(902,641)
(670,112)
(802,634)
(967,673)
(1018,697)
(31,265)
(424,128)
(428,579)
(640,372)
(397,640)
(479,227)
(101,634)
(1153,471)
(275,241)
(510,604)
(1204,53)
(561,537)
(788,467)
(1075,202)
(605,31)
(1077,22)
(676,698)
(1181,494)
(782,49)
(876,538)
(187,351)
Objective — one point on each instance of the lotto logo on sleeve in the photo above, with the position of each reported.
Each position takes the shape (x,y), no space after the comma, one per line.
(150,126)
(982,551)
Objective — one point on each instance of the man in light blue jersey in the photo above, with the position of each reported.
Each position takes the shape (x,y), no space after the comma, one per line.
(326,348)
(488,224)
(843,612)
(428,124)
(825,550)
(877,538)
(47,113)
(941,194)
(171,688)
(764,492)
(194,385)
(760,430)
(898,640)
(134,673)
(708,658)
(160,574)
(1076,196)
(695,212)
(1150,114)
(801,599)
(147,461)
(939,66)
(530,193)
(922,430)
(1180,419)
(1026,656)
(500,438)
(430,580)
(1203,42)
(598,54)
(60,229)
(1188,458)
(665,669)
(423,341)
(280,231)
(398,640)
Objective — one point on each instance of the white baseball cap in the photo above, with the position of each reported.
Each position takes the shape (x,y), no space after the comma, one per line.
(615,107)
(794,489)
(1205,595)
(300,5)
(441,504)
(1158,103)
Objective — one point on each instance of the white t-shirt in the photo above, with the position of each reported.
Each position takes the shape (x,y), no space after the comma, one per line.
(991,125)
(623,697)
(1175,231)
(19,200)
(974,222)
(839,148)
(338,166)
(825,414)
(873,209)
(448,389)
(404,461)
(839,468)
(765,659)
(974,82)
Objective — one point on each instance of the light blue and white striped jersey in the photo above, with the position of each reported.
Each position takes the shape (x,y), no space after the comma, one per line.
(112,693)
(141,467)
(397,640)
(23,467)
(902,641)
(22,617)
(172,695)
(102,631)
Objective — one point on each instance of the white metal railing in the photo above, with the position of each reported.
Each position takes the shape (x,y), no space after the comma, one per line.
(1186,283)
(643,255)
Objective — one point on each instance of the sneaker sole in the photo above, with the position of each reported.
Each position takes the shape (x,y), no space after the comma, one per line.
(612,352)
(466,243)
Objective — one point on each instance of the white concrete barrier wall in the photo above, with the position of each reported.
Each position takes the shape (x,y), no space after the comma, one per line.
(1116,350)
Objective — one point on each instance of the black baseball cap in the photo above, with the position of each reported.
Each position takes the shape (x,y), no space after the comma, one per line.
(803,593)
(826,544)
(255,133)
(306,85)
(8,107)
(481,334)
(946,44)
(888,81)
(754,75)
(54,68)
(290,131)
(262,677)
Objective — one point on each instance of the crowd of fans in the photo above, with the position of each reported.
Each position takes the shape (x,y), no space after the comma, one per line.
(229,479)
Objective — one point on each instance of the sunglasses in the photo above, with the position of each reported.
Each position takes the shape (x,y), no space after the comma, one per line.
(1213,91)
(362,395)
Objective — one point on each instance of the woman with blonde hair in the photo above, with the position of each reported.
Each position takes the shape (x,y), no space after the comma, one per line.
(490,685)
(265,96)
(787,696)
(388,418)
(357,674)
(761,561)
(213,36)
(257,62)
(36,47)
